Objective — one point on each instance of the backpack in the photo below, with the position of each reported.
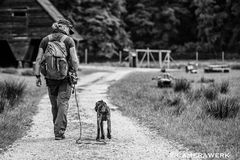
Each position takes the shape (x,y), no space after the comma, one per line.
(54,64)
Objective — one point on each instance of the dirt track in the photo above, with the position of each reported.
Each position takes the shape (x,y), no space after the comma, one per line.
(130,141)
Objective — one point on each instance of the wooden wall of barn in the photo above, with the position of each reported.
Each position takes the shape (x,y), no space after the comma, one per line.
(23,23)
(23,18)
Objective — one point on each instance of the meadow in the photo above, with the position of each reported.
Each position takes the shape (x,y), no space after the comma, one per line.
(18,104)
(204,117)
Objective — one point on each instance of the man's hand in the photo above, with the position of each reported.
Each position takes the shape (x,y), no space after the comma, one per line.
(38,82)
(73,78)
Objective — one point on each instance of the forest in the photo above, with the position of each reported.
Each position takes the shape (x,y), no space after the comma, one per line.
(183,26)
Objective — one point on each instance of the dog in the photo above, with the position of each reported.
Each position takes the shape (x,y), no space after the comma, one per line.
(103,114)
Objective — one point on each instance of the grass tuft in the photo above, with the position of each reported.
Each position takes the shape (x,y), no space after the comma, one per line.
(211,92)
(3,104)
(28,73)
(206,80)
(12,91)
(182,85)
(10,71)
(222,108)
(224,87)
(235,66)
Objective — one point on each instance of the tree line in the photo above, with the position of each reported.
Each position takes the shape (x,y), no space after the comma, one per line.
(183,26)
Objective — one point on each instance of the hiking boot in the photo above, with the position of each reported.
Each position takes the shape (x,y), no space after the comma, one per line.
(60,137)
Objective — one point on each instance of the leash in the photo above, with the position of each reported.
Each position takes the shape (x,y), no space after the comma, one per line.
(78,141)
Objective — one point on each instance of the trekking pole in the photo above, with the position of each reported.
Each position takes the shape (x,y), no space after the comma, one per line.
(78,141)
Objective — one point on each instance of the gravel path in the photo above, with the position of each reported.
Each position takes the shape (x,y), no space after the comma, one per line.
(129,141)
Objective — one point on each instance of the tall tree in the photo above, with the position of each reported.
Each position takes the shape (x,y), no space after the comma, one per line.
(159,24)
(100,24)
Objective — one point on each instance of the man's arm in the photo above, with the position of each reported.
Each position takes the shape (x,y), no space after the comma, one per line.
(38,60)
(74,58)
(37,67)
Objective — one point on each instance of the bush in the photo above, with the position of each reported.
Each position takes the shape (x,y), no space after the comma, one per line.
(182,85)
(10,71)
(206,80)
(195,95)
(173,100)
(175,104)
(28,73)
(224,87)
(235,66)
(3,104)
(224,107)
(12,91)
(211,92)
(179,110)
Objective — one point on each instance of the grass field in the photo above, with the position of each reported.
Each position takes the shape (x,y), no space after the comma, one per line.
(181,116)
(16,120)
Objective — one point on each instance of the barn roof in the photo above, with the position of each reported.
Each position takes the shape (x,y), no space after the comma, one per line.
(56,15)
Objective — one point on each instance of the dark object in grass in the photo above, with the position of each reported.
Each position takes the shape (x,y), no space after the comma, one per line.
(12,91)
(179,110)
(28,73)
(182,85)
(235,66)
(3,104)
(173,100)
(10,71)
(224,87)
(211,92)
(195,95)
(206,80)
(222,108)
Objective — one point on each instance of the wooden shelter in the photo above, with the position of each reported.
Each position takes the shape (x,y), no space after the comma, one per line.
(23,23)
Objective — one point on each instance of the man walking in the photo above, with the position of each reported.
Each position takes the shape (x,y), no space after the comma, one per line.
(56,58)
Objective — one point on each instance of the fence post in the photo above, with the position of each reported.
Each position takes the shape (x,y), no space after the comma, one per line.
(197,57)
(148,58)
(120,57)
(86,56)
(223,58)
(160,59)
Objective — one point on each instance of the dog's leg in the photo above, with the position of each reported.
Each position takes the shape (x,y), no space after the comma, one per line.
(102,130)
(98,127)
(109,123)
(109,128)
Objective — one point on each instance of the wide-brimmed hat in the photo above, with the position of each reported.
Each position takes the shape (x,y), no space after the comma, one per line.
(68,24)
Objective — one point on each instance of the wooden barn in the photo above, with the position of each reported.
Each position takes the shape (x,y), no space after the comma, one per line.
(23,23)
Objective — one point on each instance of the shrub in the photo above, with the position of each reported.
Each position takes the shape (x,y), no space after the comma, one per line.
(10,71)
(224,87)
(195,94)
(174,100)
(3,104)
(235,66)
(12,91)
(224,107)
(179,110)
(175,104)
(182,85)
(28,73)
(206,80)
(211,92)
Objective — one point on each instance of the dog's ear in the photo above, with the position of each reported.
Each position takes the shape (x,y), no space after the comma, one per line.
(96,106)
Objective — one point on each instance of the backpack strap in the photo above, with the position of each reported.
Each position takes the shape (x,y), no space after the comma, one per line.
(50,37)
(63,38)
